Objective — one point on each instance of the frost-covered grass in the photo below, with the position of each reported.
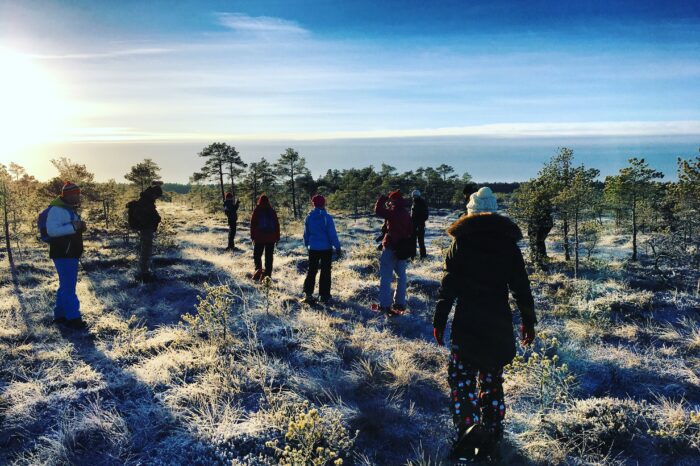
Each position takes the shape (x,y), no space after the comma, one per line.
(613,377)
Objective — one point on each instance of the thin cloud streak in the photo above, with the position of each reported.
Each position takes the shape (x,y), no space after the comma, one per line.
(497,131)
(100,55)
(240,22)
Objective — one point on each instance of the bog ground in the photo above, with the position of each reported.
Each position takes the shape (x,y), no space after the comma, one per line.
(614,377)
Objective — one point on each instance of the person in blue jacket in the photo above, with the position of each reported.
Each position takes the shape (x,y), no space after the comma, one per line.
(320,237)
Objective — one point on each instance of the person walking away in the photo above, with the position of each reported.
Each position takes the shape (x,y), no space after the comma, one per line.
(264,232)
(231,211)
(482,264)
(320,236)
(144,217)
(419,215)
(64,230)
(397,247)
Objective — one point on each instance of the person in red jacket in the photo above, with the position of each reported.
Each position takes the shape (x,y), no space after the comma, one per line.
(265,232)
(398,246)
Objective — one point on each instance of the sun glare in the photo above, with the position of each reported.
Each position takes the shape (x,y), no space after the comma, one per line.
(31,107)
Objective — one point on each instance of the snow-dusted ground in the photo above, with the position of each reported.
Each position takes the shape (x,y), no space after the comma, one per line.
(140,387)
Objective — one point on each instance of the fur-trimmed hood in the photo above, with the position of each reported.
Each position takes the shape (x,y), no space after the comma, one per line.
(485,223)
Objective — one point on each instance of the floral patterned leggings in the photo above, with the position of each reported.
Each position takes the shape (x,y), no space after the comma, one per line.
(476,405)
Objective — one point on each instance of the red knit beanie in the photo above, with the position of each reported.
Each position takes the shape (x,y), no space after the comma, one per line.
(229,195)
(395,195)
(70,188)
(318,201)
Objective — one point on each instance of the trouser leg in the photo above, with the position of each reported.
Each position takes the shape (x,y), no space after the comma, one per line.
(491,400)
(310,282)
(386,272)
(258,249)
(231,235)
(324,285)
(463,393)
(420,233)
(146,250)
(67,303)
(269,253)
(400,294)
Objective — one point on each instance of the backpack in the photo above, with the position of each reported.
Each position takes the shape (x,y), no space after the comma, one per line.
(41,225)
(133,215)
(266,222)
(405,248)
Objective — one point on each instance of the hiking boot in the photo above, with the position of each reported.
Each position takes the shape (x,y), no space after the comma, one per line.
(488,449)
(257,275)
(59,320)
(464,448)
(309,299)
(378,308)
(326,299)
(76,324)
(396,310)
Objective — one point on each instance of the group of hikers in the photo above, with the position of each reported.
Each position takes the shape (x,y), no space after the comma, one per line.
(482,265)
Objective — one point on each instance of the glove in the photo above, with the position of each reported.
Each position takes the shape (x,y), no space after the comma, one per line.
(338,254)
(527,334)
(439,334)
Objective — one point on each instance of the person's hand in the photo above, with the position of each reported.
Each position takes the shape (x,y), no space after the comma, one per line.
(338,254)
(527,334)
(439,334)
(79,226)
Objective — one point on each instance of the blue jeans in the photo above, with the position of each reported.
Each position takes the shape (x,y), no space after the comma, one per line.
(67,304)
(388,265)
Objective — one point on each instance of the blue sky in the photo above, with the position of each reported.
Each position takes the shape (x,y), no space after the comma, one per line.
(258,73)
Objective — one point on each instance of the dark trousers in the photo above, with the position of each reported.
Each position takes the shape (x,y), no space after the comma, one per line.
(231,234)
(324,259)
(419,234)
(475,404)
(258,249)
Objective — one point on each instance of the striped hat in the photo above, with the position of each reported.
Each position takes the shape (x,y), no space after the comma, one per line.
(70,188)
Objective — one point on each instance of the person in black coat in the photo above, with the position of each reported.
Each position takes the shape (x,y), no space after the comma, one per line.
(148,220)
(231,211)
(419,215)
(483,263)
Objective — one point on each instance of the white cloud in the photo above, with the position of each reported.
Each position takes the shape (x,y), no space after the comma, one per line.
(501,130)
(259,24)
(104,54)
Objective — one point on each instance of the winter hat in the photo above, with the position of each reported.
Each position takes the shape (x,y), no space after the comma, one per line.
(482,201)
(395,195)
(415,193)
(229,195)
(70,188)
(318,201)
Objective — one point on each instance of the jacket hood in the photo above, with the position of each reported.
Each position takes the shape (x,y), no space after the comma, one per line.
(152,193)
(59,202)
(402,203)
(485,223)
(264,201)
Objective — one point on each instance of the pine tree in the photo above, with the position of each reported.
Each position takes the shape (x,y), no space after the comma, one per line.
(143,174)
(291,165)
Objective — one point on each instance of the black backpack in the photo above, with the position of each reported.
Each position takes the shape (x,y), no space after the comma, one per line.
(133,216)
(405,248)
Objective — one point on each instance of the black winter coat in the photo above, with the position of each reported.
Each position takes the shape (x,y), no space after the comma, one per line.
(483,263)
(231,211)
(146,213)
(419,211)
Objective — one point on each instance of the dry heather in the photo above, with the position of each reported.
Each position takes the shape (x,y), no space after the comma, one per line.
(613,378)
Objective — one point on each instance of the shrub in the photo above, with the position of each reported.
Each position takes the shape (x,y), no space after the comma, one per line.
(540,376)
(212,317)
(312,439)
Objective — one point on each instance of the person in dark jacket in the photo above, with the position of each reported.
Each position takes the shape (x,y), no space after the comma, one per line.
(419,215)
(393,210)
(482,264)
(231,211)
(265,232)
(65,230)
(148,220)
(320,237)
